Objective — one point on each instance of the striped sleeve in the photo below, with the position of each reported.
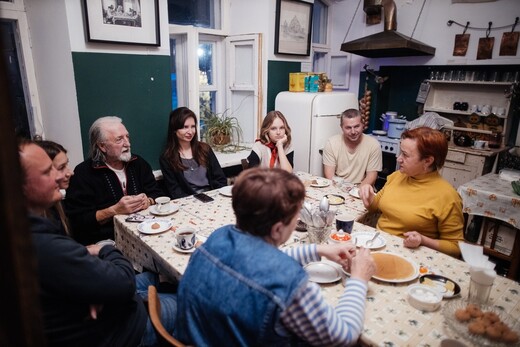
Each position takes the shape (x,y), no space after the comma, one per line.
(303,254)
(313,320)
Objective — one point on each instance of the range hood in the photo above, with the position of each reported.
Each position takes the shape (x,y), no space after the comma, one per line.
(388,43)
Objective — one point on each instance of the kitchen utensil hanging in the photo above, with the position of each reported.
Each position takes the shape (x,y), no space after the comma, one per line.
(485,45)
(509,43)
(461,43)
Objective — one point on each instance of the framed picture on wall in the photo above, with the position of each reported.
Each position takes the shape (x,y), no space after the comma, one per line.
(293,27)
(117,21)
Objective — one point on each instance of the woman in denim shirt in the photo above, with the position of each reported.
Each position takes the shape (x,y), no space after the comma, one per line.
(240,290)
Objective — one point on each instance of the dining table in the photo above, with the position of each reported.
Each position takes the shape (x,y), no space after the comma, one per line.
(389,318)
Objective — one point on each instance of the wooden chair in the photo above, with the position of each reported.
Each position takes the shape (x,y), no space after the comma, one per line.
(245,164)
(154,310)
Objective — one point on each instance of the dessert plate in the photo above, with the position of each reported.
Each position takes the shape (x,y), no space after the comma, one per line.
(154,226)
(362,238)
(321,272)
(320,183)
(448,288)
(354,192)
(335,199)
(226,191)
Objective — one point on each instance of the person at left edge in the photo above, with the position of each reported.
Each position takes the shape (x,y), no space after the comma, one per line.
(111,181)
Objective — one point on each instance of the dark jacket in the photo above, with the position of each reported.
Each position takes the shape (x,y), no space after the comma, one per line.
(178,187)
(94,187)
(71,279)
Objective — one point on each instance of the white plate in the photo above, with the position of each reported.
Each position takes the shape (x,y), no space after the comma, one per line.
(192,249)
(226,191)
(354,192)
(320,183)
(379,132)
(409,278)
(363,236)
(321,272)
(173,208)
(146,226)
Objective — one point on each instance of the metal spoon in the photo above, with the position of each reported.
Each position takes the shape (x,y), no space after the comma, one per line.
(370,242)
(324,204)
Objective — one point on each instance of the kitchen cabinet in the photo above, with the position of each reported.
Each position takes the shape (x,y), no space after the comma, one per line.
(465,164)
(443,95)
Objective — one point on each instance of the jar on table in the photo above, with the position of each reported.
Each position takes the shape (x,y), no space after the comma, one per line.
(495,140)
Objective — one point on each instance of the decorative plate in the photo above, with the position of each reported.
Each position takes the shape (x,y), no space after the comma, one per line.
(448,288)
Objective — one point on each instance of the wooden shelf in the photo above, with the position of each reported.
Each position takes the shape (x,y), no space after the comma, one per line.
(482,83)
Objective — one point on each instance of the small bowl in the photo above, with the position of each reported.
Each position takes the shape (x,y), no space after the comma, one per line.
(423,297)
(339,237)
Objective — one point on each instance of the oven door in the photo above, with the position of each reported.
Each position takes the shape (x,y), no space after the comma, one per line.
(389,166)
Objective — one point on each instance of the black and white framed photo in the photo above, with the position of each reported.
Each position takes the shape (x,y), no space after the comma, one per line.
(293,27)
(123,21)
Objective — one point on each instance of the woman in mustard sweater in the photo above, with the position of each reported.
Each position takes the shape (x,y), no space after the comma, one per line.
(416,203)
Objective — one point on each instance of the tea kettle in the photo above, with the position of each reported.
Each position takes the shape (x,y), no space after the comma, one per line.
(386,117)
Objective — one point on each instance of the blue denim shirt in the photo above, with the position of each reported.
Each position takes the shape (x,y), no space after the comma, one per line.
(233,291)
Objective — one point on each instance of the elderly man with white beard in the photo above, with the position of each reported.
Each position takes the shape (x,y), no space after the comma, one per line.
(111,181)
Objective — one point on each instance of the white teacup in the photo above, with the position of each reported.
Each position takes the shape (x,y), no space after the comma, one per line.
(186,237)
(479,144)
(501,111)
(163,204)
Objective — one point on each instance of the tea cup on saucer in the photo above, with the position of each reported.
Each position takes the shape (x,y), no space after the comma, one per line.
(163,204)
(186,238)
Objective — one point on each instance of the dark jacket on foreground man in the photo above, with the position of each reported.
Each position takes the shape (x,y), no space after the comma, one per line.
(71,279)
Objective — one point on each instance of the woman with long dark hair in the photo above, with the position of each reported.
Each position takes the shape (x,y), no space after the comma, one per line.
(188,165)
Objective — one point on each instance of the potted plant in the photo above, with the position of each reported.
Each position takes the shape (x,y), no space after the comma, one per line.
(222,129)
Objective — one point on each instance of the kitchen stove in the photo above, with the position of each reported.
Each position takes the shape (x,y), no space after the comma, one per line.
(388,144)
(390,149)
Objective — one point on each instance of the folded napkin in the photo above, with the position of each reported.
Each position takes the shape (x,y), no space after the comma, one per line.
(474,256)
(481,269)
(509,175)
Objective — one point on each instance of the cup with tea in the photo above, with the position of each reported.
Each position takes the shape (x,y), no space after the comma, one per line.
(163,204)
(186,237)
(345,223)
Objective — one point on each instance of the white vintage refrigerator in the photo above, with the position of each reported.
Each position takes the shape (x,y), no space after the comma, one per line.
(313,118)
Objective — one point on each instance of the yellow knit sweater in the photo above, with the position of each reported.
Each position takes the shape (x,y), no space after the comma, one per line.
(427,204)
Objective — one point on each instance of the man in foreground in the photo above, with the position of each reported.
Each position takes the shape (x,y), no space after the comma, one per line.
(87,294)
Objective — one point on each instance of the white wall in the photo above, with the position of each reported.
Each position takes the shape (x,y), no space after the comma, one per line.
(431,29)
(54,75)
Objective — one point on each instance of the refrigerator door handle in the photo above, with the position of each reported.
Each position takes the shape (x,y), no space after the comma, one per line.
(338,115)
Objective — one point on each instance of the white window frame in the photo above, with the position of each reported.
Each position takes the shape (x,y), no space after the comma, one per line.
(15,11)
(324,48)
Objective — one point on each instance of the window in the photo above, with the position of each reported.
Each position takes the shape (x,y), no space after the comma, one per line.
(207,82)
(320,16)
(199,13)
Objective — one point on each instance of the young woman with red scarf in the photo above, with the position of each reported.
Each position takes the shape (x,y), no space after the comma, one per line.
(273,148)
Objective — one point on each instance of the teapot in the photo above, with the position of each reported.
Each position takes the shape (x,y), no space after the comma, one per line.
(463,140)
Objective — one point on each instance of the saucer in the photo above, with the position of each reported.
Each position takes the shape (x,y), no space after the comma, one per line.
(173,208)
(198,238)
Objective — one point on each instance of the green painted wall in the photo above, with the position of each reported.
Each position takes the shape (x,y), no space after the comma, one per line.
(134,87)
(278,79)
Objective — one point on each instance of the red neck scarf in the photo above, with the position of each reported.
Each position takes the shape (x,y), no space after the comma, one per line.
(274,152)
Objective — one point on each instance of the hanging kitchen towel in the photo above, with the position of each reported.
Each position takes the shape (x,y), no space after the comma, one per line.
(509,43)
(485,45)
(461,43)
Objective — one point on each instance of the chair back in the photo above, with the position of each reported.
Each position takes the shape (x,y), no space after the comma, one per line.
(154,310)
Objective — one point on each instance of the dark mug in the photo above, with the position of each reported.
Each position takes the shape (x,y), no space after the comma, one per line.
(463,106)
(456,106)
(345,223)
